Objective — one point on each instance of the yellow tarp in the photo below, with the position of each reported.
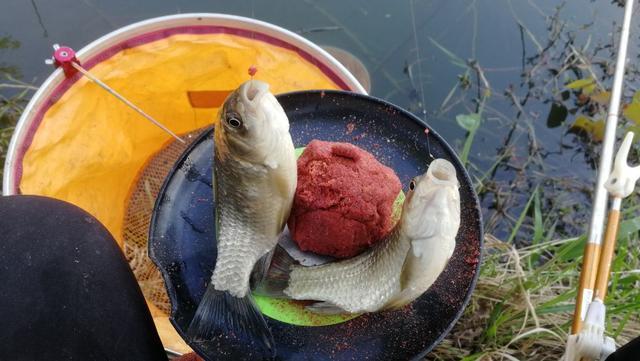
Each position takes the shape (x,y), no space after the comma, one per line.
(90,147)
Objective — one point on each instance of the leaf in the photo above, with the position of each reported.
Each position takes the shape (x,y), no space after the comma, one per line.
(538,229)
(601,98)
(598,130)
(557,115)
(516,227)
(571,250)
(589,89)
(593,128)
(632,111)
(580,83)
(469,122)
(636,97)
(628,227)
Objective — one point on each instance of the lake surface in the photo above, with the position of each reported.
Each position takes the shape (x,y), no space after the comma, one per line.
(439,59)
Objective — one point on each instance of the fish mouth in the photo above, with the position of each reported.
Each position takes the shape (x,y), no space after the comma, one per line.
(253,90)
(442,170)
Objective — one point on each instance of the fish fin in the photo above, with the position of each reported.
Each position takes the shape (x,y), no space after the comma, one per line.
(402,299)
(325,308)
(260,269)
(276,279)
(235,321)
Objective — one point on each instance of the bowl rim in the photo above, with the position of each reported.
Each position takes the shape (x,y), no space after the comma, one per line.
(321,93)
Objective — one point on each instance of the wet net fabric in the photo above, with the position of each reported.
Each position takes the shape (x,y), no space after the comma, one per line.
(138,218)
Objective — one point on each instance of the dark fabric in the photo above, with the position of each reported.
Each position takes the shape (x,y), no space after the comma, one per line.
(67,291)
(628,352)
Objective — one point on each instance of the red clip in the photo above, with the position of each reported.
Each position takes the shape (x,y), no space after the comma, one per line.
(63,56)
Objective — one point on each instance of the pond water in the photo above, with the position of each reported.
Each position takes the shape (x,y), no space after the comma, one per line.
(440,59)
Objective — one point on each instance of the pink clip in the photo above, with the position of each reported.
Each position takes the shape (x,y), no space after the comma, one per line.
(63,56)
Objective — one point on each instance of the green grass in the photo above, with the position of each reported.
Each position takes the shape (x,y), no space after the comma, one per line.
(11,107)
(523,303)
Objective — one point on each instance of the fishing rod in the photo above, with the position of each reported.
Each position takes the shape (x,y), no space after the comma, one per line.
(590,343)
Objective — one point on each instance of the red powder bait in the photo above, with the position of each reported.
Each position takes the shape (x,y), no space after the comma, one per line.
(344,199)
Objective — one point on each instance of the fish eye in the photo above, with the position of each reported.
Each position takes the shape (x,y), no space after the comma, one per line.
(234,121)
(412,185)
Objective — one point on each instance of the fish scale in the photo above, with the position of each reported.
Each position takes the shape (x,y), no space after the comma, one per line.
(364,283)
(240,244)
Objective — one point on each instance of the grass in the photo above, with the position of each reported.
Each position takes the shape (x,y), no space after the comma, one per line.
(523,303)
(11,107)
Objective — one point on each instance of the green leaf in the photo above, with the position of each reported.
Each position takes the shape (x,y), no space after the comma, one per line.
(589,89)
(581,83)
(636,97)
(516,227)
(494,321)
(537,212)
(628,227)
(571,250)
(474,357)
(632,111)
(594,128)
(469,122)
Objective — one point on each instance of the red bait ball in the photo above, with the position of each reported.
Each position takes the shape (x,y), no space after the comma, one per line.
(344,200)
(252,70)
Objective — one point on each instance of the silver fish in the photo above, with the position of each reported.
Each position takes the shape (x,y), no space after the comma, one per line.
(399,268)
(255,178)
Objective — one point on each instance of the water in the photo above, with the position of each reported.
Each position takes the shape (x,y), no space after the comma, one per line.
(410,50)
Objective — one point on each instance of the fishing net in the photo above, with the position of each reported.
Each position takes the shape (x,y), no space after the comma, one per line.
(137,219)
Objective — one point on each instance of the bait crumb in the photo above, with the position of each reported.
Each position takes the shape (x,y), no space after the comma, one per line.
(350,127)
(359,137)
(252,70)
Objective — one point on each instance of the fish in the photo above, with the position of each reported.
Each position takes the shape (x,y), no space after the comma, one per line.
(255,176)
(396,270)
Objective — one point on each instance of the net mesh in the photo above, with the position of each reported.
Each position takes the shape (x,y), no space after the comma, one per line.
(138,218)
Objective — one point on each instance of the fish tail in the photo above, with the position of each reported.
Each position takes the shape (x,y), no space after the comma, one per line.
(275,279)
(234,321)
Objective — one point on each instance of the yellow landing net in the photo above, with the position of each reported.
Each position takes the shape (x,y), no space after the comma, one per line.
(90,147)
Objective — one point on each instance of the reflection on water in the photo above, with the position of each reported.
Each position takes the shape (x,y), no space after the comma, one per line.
(444,60)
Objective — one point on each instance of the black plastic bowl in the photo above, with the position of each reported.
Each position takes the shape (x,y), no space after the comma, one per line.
(182,234)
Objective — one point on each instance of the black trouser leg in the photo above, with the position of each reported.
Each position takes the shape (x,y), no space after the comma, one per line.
(67,293)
